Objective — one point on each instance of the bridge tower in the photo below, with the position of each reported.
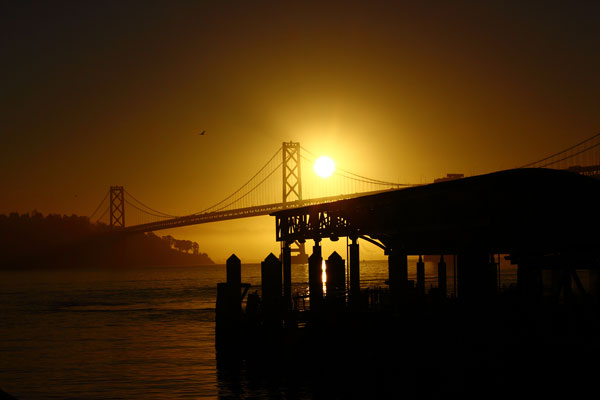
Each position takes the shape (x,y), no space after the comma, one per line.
(292,183)
(292,173)
(117,207)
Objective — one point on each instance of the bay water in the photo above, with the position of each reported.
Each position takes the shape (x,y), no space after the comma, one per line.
(134,333)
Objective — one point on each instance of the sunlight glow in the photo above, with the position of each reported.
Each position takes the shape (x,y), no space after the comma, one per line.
(324,166)
(324,276)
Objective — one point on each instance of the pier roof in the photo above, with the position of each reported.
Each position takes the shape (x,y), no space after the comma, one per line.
(512,211)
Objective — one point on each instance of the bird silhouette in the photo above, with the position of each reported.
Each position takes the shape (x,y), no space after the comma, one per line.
(202,133)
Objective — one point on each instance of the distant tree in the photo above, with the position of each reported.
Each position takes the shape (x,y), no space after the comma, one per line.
(56,239)
(170,240)
(178,244)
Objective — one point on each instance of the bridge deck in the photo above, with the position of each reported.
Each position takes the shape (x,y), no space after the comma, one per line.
(238,213)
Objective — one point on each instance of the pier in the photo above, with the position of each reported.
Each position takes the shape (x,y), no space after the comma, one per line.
(550,235)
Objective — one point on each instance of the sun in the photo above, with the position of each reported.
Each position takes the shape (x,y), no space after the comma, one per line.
(324,166)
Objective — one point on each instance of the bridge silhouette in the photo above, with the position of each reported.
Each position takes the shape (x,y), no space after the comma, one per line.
(281,184)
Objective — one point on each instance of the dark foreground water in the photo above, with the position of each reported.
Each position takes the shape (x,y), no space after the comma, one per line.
(140,333)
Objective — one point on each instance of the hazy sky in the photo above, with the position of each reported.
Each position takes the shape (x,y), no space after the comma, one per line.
(114,93)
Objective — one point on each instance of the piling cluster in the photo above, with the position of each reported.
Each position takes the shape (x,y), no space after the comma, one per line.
(273,312)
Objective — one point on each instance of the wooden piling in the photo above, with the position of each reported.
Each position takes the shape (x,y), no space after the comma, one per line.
(234,273)
(229,306)
(270,270)
(336,276)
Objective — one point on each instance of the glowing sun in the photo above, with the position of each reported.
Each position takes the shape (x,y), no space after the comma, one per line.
(324,166)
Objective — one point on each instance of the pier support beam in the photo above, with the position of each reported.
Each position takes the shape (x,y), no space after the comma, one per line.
(398,274)
(315,277)
(420,286)
(286,260)
(529,281)
(561,284)
(492,275)
(354,262)
(474,281)
(442,284)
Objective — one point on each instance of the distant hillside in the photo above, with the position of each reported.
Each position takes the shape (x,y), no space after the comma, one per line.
(73,241)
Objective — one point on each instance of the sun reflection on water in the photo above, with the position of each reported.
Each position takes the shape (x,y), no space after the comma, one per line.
(324,276)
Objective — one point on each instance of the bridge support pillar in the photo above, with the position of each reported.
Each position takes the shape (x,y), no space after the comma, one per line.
(398,274)
(354,263)
(420,286)
(286,260)
(442,284)
(315,278)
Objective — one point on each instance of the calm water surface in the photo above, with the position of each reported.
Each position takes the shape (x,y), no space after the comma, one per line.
(143,333)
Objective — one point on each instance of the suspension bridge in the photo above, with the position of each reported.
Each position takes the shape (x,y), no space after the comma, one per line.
(280,184)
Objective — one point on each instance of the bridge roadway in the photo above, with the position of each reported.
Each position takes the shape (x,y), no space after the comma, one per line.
(196,219)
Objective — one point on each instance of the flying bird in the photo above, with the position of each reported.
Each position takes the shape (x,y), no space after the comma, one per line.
(202,133)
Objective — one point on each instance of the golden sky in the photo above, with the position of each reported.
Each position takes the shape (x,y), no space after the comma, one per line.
(114,93)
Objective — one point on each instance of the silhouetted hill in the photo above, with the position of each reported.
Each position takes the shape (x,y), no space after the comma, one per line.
(73,241)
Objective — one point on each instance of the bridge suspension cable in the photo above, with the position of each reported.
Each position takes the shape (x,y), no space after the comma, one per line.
(574,152)
(99,205)
(214,206)
(147,212)
(249,192)
(103,214)
(359,178)
(156,213)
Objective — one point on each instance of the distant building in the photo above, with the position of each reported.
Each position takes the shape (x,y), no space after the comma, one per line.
(592,170)
(449,177)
